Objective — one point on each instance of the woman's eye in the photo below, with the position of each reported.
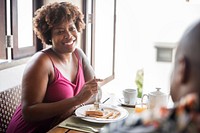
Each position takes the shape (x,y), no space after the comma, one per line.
(72,28)
(60,32)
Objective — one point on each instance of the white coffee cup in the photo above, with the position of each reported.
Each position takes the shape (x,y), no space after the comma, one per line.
(130,96)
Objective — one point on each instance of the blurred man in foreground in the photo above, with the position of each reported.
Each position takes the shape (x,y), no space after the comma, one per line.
(185,92)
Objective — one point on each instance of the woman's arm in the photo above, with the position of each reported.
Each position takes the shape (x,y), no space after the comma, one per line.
(87,68)
(37,76)
(34,84)
(88,74)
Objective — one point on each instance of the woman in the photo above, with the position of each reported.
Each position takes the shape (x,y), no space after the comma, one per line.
(58,79)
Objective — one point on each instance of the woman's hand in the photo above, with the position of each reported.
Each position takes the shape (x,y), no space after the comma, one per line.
(89,89)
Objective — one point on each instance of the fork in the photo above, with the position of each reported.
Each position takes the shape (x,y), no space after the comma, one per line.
(96,103)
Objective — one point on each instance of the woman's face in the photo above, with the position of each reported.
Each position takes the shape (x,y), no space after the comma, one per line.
(64,37)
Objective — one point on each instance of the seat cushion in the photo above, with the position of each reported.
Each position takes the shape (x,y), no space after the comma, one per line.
(9,101)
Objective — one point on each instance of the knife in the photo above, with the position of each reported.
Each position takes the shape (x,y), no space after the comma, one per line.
(82,127)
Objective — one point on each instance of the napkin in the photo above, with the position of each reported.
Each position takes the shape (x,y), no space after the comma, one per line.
(77,124)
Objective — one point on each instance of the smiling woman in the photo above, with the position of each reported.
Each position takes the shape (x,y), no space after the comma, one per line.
(57,79)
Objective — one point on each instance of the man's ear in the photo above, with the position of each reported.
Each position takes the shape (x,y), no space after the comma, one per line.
(183,70)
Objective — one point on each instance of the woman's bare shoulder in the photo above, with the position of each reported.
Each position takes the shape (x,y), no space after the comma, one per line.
(82,56)
(80,52)
(39,57)
(39,61)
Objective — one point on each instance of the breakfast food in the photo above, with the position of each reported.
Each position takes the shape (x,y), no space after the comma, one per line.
(105,113)
(94,113)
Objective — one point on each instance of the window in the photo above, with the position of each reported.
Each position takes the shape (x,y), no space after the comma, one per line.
(16,24)
(23,41)
(100,37)
(104,39)
(2,31)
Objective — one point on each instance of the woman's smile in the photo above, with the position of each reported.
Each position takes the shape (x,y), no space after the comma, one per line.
(70,42)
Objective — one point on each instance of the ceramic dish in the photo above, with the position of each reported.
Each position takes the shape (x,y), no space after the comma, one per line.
(80,112)
(121,101)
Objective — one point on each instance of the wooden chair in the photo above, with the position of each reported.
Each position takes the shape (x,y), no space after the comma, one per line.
(9,101)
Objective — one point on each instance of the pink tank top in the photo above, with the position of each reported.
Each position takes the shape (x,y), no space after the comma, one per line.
(61,88)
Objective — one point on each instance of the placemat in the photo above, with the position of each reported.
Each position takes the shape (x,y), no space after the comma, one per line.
(75,124)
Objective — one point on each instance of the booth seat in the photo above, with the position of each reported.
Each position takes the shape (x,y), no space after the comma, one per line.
(9,101)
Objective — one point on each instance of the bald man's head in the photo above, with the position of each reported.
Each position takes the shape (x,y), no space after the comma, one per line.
(190,43)
(186,73)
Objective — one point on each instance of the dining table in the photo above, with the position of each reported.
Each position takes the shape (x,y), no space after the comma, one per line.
(74,124)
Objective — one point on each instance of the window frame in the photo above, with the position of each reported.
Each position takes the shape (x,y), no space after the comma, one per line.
(90,41)
(112,76)
(17,52)
(6,52)
(2,29)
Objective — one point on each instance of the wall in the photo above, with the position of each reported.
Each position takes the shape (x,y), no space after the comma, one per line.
(140,24)
(11,77)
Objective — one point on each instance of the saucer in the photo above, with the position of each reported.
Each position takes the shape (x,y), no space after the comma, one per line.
(121,101)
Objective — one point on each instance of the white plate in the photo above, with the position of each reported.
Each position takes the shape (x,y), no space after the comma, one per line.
(121,101)
(80,112)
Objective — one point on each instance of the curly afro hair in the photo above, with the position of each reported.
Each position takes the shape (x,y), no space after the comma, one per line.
(52,14)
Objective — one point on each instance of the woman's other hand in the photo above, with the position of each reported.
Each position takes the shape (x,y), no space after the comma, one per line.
(89,89)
